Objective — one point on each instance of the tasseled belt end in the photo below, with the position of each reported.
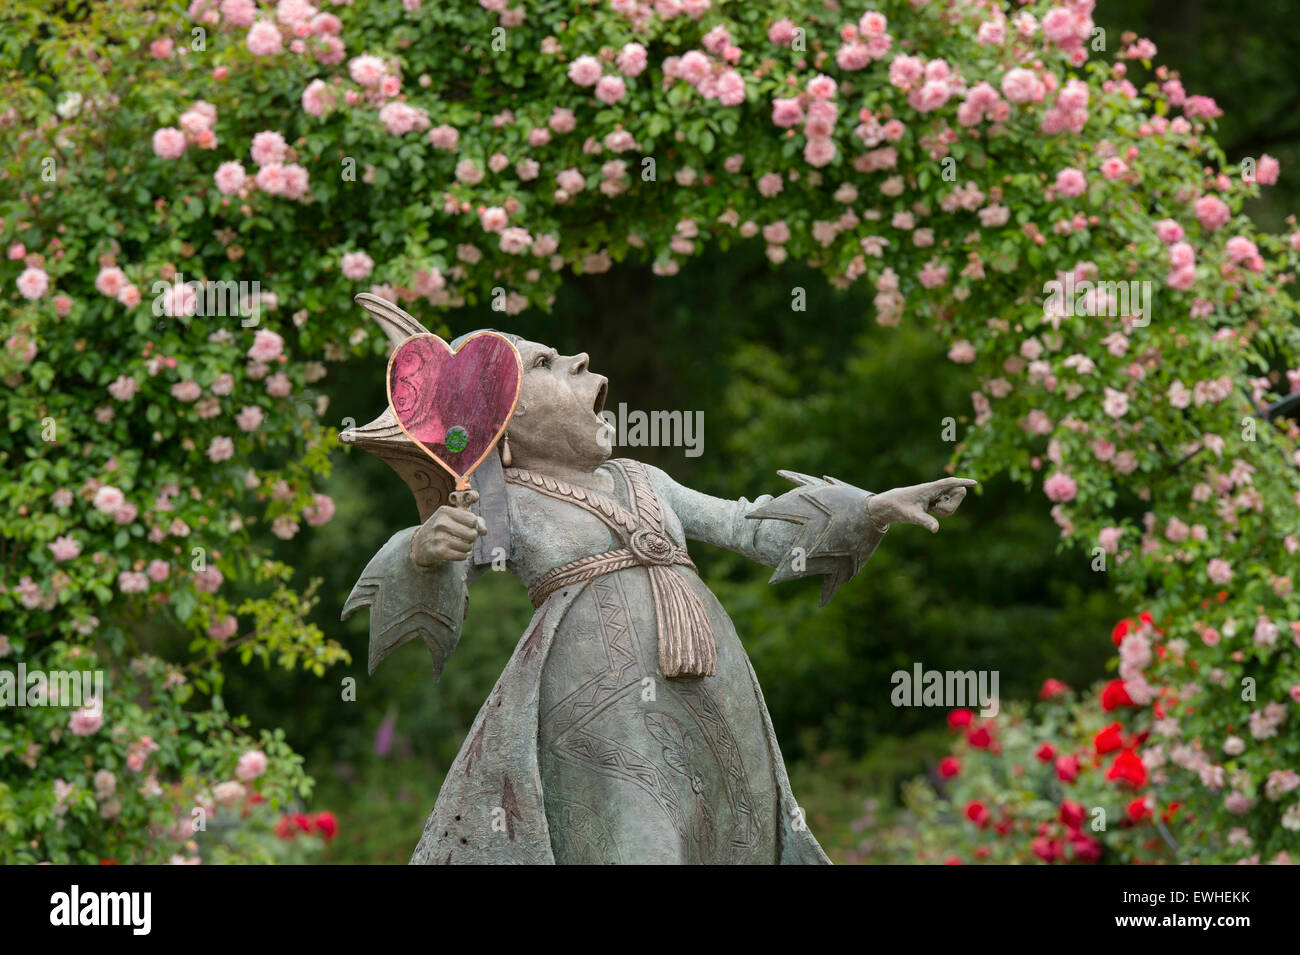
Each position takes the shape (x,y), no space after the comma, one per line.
(687,645)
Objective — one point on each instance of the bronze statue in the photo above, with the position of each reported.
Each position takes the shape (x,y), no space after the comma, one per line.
(628,725)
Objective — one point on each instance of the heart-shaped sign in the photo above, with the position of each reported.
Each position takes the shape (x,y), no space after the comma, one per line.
(455,404)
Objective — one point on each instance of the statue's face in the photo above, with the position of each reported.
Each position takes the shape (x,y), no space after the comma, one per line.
(558,419)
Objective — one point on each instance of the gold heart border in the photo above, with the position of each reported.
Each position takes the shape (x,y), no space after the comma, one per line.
(462,481)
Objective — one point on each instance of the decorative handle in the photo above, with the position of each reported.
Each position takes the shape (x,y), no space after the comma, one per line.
(462,497)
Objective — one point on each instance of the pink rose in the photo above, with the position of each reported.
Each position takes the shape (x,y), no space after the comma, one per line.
(444,137)
(1167,230)
(221,449)
(249,419)
(108,499)
(782,32)
(110,281)
(1219,571)
(186,390)
(1060,487)
(562,121)
(132,582)
(251,765)
(632,59)
(822,86)
(264,39)
(319,511)
(515,241)
(585,71)
(86,721)
(1267,171)
(1113,168)
(1020,85)
(962,352)
(267,346)
(64,548)
(33,283)
(223,629)
(1070,182)
(268,147)
(610,89)
(208,580)
(279,385)
(1211,212)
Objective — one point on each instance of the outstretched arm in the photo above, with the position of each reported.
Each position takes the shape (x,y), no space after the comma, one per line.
(821,527)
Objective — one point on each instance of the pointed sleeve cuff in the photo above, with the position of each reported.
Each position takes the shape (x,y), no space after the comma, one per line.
(408,601)
(835,535)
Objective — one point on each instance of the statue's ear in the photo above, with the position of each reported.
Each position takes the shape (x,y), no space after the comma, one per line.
(396,323)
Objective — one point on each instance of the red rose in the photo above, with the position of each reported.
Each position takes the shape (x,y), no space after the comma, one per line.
(1129,768)
(1051,689)
(1120,631)
(1047,849)
(1072,814)
(1169,813)
(1003,825)
(977,813)
(326,824)
(1115,695)
(979,738)
(109,862)
(1046,753)
(960,718)
(1086,848)
(285,828)
(1137,810)
(949,766)
(1067,768)
(1109,739)
(952,860)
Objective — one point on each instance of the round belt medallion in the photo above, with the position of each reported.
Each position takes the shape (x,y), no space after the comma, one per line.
(651,547)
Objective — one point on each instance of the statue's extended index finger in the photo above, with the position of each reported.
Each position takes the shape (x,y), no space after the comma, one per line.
(946,483)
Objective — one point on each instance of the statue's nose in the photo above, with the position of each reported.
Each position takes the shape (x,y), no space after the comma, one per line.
(579,364)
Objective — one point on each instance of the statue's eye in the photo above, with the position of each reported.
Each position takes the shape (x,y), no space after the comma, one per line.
(542,361)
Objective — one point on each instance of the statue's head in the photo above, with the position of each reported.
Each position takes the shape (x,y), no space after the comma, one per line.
(557,420)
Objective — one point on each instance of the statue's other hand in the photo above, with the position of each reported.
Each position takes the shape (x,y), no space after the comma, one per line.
(919,503)
(449,534)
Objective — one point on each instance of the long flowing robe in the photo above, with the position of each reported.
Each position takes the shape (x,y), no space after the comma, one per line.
(584,751)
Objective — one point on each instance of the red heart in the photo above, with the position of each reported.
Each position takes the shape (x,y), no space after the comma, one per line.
(455,405)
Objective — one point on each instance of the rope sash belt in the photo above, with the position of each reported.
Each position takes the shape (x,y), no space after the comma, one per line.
(588,568)
(687,646)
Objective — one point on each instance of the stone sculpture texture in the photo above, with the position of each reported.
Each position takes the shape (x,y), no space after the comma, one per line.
(628,726)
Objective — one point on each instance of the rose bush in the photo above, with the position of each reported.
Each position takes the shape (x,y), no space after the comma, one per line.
(955,156)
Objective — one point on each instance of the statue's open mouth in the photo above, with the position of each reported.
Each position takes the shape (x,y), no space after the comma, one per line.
(598,405)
